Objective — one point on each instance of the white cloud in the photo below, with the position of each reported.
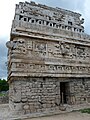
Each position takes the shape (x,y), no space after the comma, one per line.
(5,19)
(7,9)
(87,16)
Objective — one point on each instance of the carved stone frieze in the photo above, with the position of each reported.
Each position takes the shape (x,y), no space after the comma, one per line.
(49,49)
(50,68)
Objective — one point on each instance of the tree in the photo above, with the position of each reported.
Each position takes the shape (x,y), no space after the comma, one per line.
(4,86)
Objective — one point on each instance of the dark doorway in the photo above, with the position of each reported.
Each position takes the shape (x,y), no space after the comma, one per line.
(64,92)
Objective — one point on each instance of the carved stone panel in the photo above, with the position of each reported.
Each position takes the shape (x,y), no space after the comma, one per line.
(49,49)
(50,68)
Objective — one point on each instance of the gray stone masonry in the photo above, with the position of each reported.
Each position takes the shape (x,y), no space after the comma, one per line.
(35,95)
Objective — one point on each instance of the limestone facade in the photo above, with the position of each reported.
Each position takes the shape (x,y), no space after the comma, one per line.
(48,59)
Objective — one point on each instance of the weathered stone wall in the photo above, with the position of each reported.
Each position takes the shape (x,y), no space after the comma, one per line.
(4,99)
(35,94)
(31,95)
(80,90)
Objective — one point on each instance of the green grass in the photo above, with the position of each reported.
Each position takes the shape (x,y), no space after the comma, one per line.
(2,94)
(87,110)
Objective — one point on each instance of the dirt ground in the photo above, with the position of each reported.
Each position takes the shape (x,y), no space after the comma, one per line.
(66,116)
(5,114)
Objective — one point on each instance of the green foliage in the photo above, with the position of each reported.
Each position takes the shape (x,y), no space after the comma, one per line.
(2,94)
(4,85)
(87,110)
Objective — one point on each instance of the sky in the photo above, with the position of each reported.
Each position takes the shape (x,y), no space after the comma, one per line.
(7,11)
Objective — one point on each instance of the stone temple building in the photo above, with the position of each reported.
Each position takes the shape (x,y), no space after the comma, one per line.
(48,60)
